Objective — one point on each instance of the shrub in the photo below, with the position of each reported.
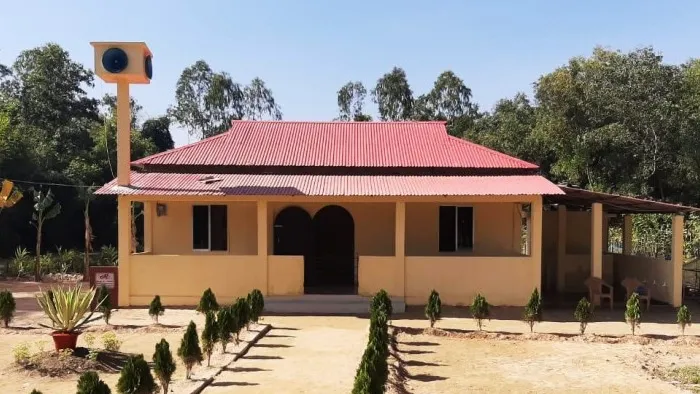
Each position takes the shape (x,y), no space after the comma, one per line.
(381,301)
(7,307)
(433,309)
(533,310)
(66,308)
(90,383)
(684,318)
(35,391)
(224,323)
(189,350)
(239,314)
(111,342)
(256,304)
(210,335)
(21,353)
(163,364)
(583,313)
(480,310)
(156,308)
(373,372)
(633,315)
(208,302)
(89,339)
(108,256)
(136,377)
(104,302)
(21,262)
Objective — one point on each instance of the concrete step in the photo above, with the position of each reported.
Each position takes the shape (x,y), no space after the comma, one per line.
(341,304)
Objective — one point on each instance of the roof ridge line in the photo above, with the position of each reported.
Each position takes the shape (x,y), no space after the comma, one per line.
(339,121)
(491,151)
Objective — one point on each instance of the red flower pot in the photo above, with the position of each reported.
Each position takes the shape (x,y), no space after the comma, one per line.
(64,340)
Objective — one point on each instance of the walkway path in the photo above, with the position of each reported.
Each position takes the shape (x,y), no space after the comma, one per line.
(299,355)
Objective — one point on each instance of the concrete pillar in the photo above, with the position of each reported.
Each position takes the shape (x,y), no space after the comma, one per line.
(148,213)
(561,247)
(123,134)
(536,241)
(124,248)
(262,240)
(597,240)
(627,235)
(400,244)
(677,260)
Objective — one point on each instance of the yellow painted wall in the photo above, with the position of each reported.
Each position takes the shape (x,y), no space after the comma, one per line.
(578,232)
(496,229)
(656,273)
(180,280)
(380,272)
(286,275)
(172,233)
(502,280)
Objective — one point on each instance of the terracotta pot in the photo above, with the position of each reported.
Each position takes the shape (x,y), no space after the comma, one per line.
(64,340)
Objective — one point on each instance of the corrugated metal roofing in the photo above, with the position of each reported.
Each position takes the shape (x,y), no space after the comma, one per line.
(337,144)
(163,184)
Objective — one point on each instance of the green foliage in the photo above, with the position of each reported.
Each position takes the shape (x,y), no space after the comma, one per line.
(155,309)
(111,342)
(189,351)
(381,302)
(7,307)
(44,209)
(210,335)
(394,96)
(135,377)
(21,262)
(480,310)
(256,304)
(583,313)
(163,364)
(373,371)
(633,314)
(105,304)
(533,310)
(225,325)
(90,383)
(433,309)
(240,315)
(21,353)
(67,307)
(157,130)
(684,318)
(35,391)
(107,256)
(351,99)
(208,302)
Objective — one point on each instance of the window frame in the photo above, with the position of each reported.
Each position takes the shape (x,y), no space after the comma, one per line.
(457,248)
(209,229)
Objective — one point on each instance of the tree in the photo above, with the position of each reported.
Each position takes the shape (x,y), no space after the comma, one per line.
(684,318)
(155,309)
(135,377)
(157,130)
(480,310)
(44,209)
(163,364)
(90,383)
(208,302)
(256,304)
(225,324)
(583,313)
(210,335)
(433,309)
(104,302)
(394,96)
(259,102)
(450,101)
(533,309)
(633,316)
(351,99)
(189,351)
(7,307)
(240,316)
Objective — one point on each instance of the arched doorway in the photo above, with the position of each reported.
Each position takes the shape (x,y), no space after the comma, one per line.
(332,268)
(292,232)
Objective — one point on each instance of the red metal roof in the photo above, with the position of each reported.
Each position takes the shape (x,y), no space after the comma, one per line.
(331,185)
(337,144)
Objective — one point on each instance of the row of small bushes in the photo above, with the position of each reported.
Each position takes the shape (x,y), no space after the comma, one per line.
(63,261)
(373,372)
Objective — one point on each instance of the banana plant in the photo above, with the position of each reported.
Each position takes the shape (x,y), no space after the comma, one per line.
(66,308)
(44,209)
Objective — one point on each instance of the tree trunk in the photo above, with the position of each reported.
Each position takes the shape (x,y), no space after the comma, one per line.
(37,267)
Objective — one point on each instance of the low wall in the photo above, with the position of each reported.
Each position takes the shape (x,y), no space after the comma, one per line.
(181,279)
(380,272)
(285,275)
(502,280)
(656,273)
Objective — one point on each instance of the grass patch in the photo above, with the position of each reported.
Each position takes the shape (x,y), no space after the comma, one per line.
(687,377)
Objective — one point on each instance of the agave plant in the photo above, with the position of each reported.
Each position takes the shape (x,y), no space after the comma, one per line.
(66,308)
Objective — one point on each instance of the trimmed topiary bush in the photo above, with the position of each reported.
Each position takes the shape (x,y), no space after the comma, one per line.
(210,335)
(155,309)
(7,307)
(256,304)
(189,351)
(533,310)
(381,301)
(224,323)
(684,318)
(633,316)
(480,310)
(583,314)
(163,364)
(373,371)
(433,309)
(104,302)
(136,377)
(208,302)
(90,383)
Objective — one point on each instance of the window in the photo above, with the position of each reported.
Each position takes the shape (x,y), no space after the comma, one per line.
(209,229)
(456,228)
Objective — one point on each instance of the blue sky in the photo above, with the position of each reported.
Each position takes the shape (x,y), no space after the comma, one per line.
(306,50)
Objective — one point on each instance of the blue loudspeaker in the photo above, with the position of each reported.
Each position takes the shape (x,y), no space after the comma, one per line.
(148,66)
(115,60)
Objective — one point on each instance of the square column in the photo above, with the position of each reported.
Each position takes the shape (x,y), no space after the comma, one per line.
(561,246)
(597,240)
(262,241)
(536,242)
(400,245)
(123,248)
(677,260)
(627,235)
(148,212)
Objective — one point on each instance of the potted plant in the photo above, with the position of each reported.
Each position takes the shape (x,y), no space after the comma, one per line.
(67,310)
